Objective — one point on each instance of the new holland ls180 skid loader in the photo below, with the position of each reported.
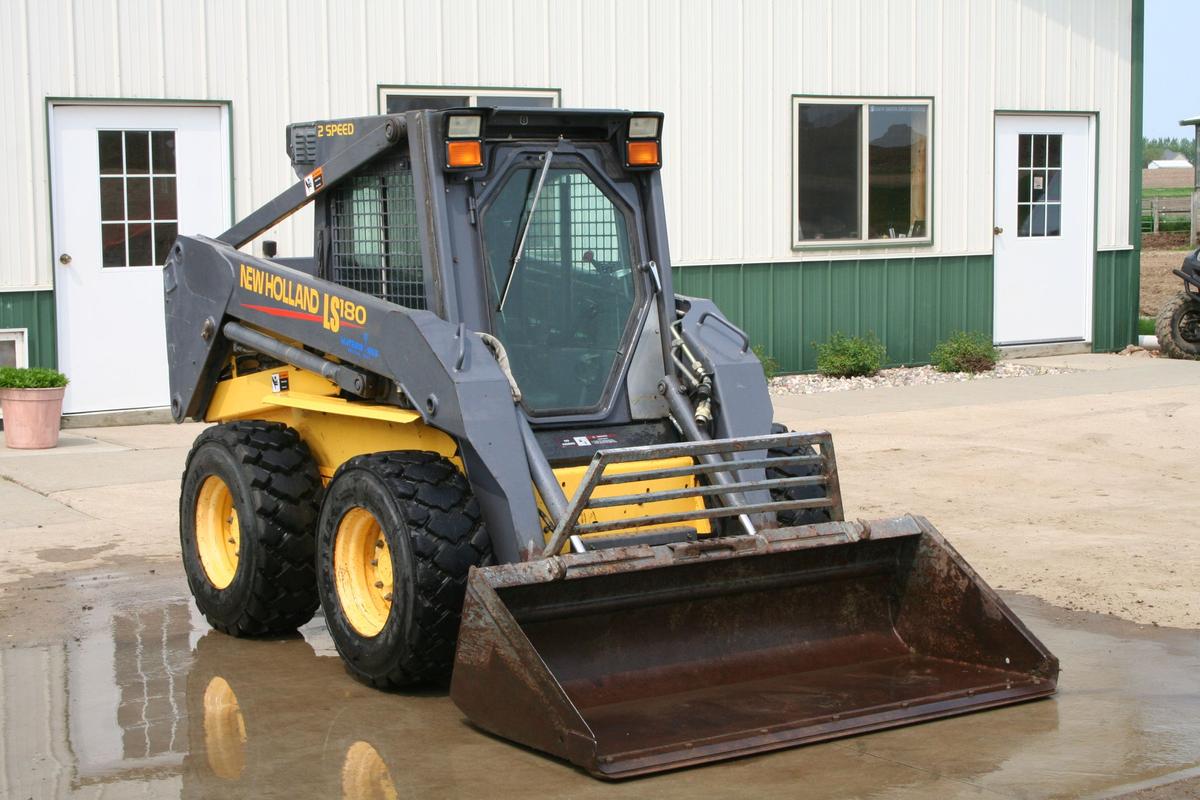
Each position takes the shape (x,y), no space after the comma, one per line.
(480,429)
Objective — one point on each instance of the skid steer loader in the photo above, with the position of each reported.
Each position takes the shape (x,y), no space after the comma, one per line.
(480,430)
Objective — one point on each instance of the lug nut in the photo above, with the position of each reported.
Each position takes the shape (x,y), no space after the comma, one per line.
(378,584)
(374,562)
(379,543)
(388,597)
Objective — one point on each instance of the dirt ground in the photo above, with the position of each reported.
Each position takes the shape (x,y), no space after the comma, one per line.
(1159,284)
(1161,253)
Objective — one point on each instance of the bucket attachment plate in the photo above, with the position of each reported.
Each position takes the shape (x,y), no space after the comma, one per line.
(639,659)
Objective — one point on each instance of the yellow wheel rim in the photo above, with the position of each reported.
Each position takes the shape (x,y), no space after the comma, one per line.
(365,776)
(362,568)
(218,534)
(224,730)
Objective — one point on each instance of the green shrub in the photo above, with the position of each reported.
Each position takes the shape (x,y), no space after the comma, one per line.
(770,365)
(965,352)
(1145,326)
(31,378)
(846,356)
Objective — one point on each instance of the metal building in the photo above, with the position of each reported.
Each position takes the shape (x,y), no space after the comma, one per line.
(902,167)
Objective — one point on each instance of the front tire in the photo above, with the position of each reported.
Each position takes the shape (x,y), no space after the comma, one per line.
(1178,326)
(799,516)
(397,536)
(247,523)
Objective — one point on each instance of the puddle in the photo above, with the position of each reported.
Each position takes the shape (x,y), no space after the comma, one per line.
(134,696)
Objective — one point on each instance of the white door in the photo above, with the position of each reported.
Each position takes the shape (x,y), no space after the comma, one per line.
(1043,228)
(125,180)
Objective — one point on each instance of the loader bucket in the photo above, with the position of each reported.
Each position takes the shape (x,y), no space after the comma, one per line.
(640,659)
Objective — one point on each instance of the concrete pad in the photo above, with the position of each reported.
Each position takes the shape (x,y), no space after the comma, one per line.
(67,443)
(53,549)
(23,508)
(87,469)
(131,505)
(147,437)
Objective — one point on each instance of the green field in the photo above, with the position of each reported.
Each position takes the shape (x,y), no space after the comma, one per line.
(1173,192)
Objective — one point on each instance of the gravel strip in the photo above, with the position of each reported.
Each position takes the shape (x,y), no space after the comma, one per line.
(902,376)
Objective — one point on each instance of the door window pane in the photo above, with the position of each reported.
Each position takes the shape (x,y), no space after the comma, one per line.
(138,204)
(1039,184)
(828,196)
(137,152)
(896,171)
(112,157)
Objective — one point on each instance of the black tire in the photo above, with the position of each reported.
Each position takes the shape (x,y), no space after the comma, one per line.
(433,529)
(276,494)
(1178,326)
(800,516)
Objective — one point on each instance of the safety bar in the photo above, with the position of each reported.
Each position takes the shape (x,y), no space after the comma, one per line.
(820,454)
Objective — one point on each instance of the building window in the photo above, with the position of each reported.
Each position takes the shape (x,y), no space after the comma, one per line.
(14,347)
(1039,184)
(398,99)
(861,170)
(138,213)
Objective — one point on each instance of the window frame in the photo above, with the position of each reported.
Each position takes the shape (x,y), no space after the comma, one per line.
(21,338)
(473,93)
(864,103)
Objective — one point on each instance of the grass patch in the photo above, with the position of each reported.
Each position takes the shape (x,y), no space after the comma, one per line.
(965,352)
(849,356)
(1145,326)
(1172,191)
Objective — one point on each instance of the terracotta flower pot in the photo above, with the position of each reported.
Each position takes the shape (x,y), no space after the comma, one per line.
(31,417)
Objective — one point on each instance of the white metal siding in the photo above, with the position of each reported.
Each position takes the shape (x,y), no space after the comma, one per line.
(724,72)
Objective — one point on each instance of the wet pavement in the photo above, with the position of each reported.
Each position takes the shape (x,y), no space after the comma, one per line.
(111,685)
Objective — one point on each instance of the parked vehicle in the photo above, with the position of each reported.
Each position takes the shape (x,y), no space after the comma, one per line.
(1178,324)
(481,430)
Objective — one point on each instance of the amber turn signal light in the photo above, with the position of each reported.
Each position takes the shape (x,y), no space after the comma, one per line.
(641,154)
(464,154)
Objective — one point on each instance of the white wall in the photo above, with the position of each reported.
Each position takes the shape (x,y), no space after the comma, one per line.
(722,70)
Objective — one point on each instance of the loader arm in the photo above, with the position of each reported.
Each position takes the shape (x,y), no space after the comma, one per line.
(410,358)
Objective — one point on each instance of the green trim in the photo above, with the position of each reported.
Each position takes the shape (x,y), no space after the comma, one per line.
(911,303)
(466,89)
(850,244)
(1117,288)
(33,311)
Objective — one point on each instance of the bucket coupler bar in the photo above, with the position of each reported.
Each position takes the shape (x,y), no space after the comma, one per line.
(715,449)
(292,199)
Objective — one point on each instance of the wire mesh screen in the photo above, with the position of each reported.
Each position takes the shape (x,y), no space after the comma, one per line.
(570,198)
(376,247)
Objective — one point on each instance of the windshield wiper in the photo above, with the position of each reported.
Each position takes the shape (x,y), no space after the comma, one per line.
(516,256)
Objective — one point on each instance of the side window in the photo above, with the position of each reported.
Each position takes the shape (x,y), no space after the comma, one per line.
(861,170)
(375,243)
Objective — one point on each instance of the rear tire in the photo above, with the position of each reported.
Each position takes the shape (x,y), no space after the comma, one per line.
(398,534)
(1178,326)
(247,522)
(799,516)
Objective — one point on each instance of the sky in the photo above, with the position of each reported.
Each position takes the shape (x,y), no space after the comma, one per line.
(1172,92)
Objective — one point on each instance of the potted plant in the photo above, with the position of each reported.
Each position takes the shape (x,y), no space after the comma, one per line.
(31,400)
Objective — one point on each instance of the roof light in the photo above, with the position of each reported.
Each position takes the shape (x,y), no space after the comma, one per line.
(464,154)
(641,154)
(464,127)
(644,127)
